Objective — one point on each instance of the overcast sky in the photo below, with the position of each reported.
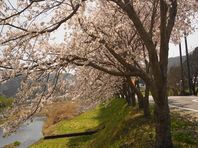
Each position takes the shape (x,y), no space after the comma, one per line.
(173,52)
(192,43)
(192,40)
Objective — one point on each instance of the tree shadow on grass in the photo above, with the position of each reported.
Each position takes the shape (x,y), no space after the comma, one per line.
(184,130)
(124,127)
(105,113)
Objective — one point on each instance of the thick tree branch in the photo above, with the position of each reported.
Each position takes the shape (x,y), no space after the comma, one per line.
(172,17)
(128,8)
(153,16)
(46,30)
(166,27)
(18,13)
(163,36)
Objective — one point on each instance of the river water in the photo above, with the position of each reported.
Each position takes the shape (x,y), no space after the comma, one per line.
(27,134)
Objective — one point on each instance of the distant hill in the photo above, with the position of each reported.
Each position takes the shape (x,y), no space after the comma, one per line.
(10,88)
(175,61)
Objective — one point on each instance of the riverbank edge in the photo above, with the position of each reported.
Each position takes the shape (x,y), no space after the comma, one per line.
(182,129)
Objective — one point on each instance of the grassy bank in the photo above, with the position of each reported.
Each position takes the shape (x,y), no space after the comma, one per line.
(5,103)
(124,127)
(57,112)
(13,145)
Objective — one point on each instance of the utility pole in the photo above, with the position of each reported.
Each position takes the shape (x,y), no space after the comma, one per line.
(188,65)
(182,72)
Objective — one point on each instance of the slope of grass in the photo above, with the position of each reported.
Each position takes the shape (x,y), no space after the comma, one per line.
(5,103)
(124,127)
(57,112)
(13,145)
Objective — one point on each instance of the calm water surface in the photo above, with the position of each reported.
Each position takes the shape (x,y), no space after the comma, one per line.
(27,134)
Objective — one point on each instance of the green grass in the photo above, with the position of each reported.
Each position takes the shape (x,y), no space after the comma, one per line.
(17,143)
(13,145)
(88,120)
(5,103)
(184,131)
(124,127)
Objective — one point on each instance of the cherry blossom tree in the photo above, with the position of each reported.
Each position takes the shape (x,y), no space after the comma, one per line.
(94,85)
(112,45)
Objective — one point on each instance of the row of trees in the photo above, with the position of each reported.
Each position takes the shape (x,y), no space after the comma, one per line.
(174,75)
(121,38)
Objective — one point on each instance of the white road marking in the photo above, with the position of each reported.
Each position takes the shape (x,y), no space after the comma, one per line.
(196,100)
(184,97)
(184,108)
(179,107)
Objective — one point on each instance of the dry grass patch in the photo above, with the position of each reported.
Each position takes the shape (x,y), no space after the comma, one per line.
(57,112)
(125,127)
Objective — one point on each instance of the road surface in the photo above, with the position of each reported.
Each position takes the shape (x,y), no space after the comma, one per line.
(189,103)
(183,103)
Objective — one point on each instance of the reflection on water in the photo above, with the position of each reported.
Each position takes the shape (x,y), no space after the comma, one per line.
(27,134)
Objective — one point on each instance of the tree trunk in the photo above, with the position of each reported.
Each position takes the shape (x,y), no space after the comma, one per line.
(140,97)
(128,92)
(146,103)
(140,102)
(129,100)
(146,107)
(137,92)
(162,121)
(194,84)
(133,98)
(122,94)
(131,95)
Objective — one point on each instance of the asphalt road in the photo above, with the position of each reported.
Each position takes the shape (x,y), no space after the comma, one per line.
(189,103)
